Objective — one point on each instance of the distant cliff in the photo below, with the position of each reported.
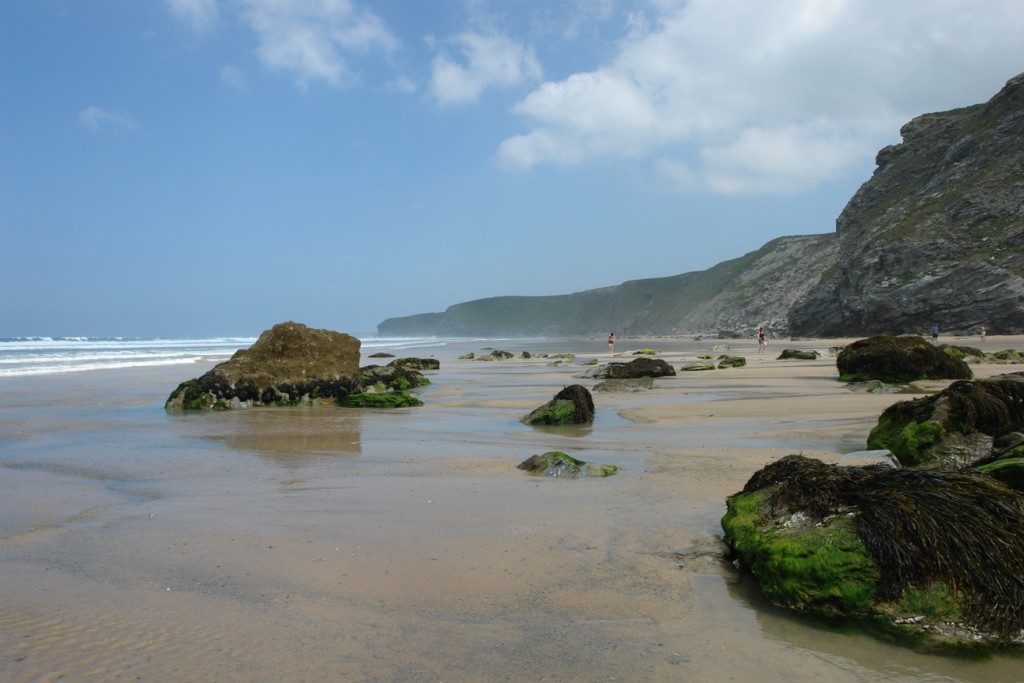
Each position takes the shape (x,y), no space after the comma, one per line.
(935,236)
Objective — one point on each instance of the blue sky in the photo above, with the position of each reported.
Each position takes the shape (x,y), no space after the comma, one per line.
(213,167)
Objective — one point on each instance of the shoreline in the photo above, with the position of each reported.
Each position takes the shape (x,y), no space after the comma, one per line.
(299,544)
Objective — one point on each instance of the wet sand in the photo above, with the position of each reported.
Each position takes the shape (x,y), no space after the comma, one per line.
(311,544)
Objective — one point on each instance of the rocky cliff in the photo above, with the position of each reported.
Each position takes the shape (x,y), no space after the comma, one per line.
(935,236)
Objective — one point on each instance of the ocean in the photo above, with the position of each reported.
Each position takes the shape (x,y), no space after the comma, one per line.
(21,356)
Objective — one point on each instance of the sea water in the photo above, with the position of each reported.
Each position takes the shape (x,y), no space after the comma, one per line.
(21,356)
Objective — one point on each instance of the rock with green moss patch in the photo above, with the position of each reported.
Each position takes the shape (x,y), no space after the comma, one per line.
(558,464)
(954,428)
(892,359)
(572,405)
(910,552)
(390,399)
(639,367)
(645,352)
(798,354)
(697,365)
(727,361)
(289,364)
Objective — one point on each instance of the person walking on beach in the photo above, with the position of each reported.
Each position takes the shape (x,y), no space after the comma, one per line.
(935,334)
(983,330)
(611,344)
(762,345)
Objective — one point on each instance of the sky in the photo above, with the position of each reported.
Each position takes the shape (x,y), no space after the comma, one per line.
(200,168)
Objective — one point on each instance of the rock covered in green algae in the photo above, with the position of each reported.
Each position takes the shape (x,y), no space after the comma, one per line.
(727,361)
(898,359)
(956,427)
(558,464)
(930,557)
(388,399)
(639,367)
(289,364)
(571,405)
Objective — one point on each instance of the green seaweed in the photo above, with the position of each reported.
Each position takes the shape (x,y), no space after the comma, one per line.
(395,399)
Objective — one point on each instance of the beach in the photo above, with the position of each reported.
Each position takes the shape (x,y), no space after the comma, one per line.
(319,543)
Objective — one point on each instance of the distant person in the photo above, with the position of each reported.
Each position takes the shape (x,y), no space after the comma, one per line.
(611,343)
(983,330)
(762,344)
(935,334)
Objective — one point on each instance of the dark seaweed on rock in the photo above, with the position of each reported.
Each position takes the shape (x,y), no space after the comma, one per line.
(960,528)
(898,359)
(581,399)
(994,406)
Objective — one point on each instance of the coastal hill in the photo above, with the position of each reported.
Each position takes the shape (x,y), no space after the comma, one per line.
(935,236)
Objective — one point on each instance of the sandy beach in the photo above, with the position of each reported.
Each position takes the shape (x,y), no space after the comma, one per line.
(324,544)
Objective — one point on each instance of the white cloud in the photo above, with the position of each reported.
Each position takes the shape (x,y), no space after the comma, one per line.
(199,15)
(488,60)
(733,96)
(310,38)
(95,119)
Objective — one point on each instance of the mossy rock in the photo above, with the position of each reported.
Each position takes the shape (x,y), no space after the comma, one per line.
(1010,471)
(955,427)
(393,399)
(417,363)
(1007,356)
(645,352)
(571,405)
(697,366)
(931,558)
(798,354)
(467,356)
(898,360)
(639,367)
(726,361)
(382,354)
(821,568)
(558,464)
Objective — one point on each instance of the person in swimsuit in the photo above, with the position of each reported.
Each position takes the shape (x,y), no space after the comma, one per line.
(611,343)
(762,345)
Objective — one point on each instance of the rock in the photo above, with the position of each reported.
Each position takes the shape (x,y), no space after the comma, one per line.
(697,365)
(382,354)
(418,363)
(725,361)
(645,352)
(954,428)
(798,354)
(961,352)
(558,464)
(389,399)
(1000,357)
(572,405)
(847,543)
(934,236)
(1009,471)
(289,363)
(639,367)
(898,359)
(633,384)
(377,379)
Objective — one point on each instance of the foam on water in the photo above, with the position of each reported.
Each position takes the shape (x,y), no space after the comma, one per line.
(20,356)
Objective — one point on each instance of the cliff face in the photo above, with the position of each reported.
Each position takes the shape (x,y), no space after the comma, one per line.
(935,236)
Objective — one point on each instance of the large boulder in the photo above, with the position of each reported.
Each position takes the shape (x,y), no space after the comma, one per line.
(289,363)
(639,367)
(898,359)
(956,427)
(932,557)
(571,405)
